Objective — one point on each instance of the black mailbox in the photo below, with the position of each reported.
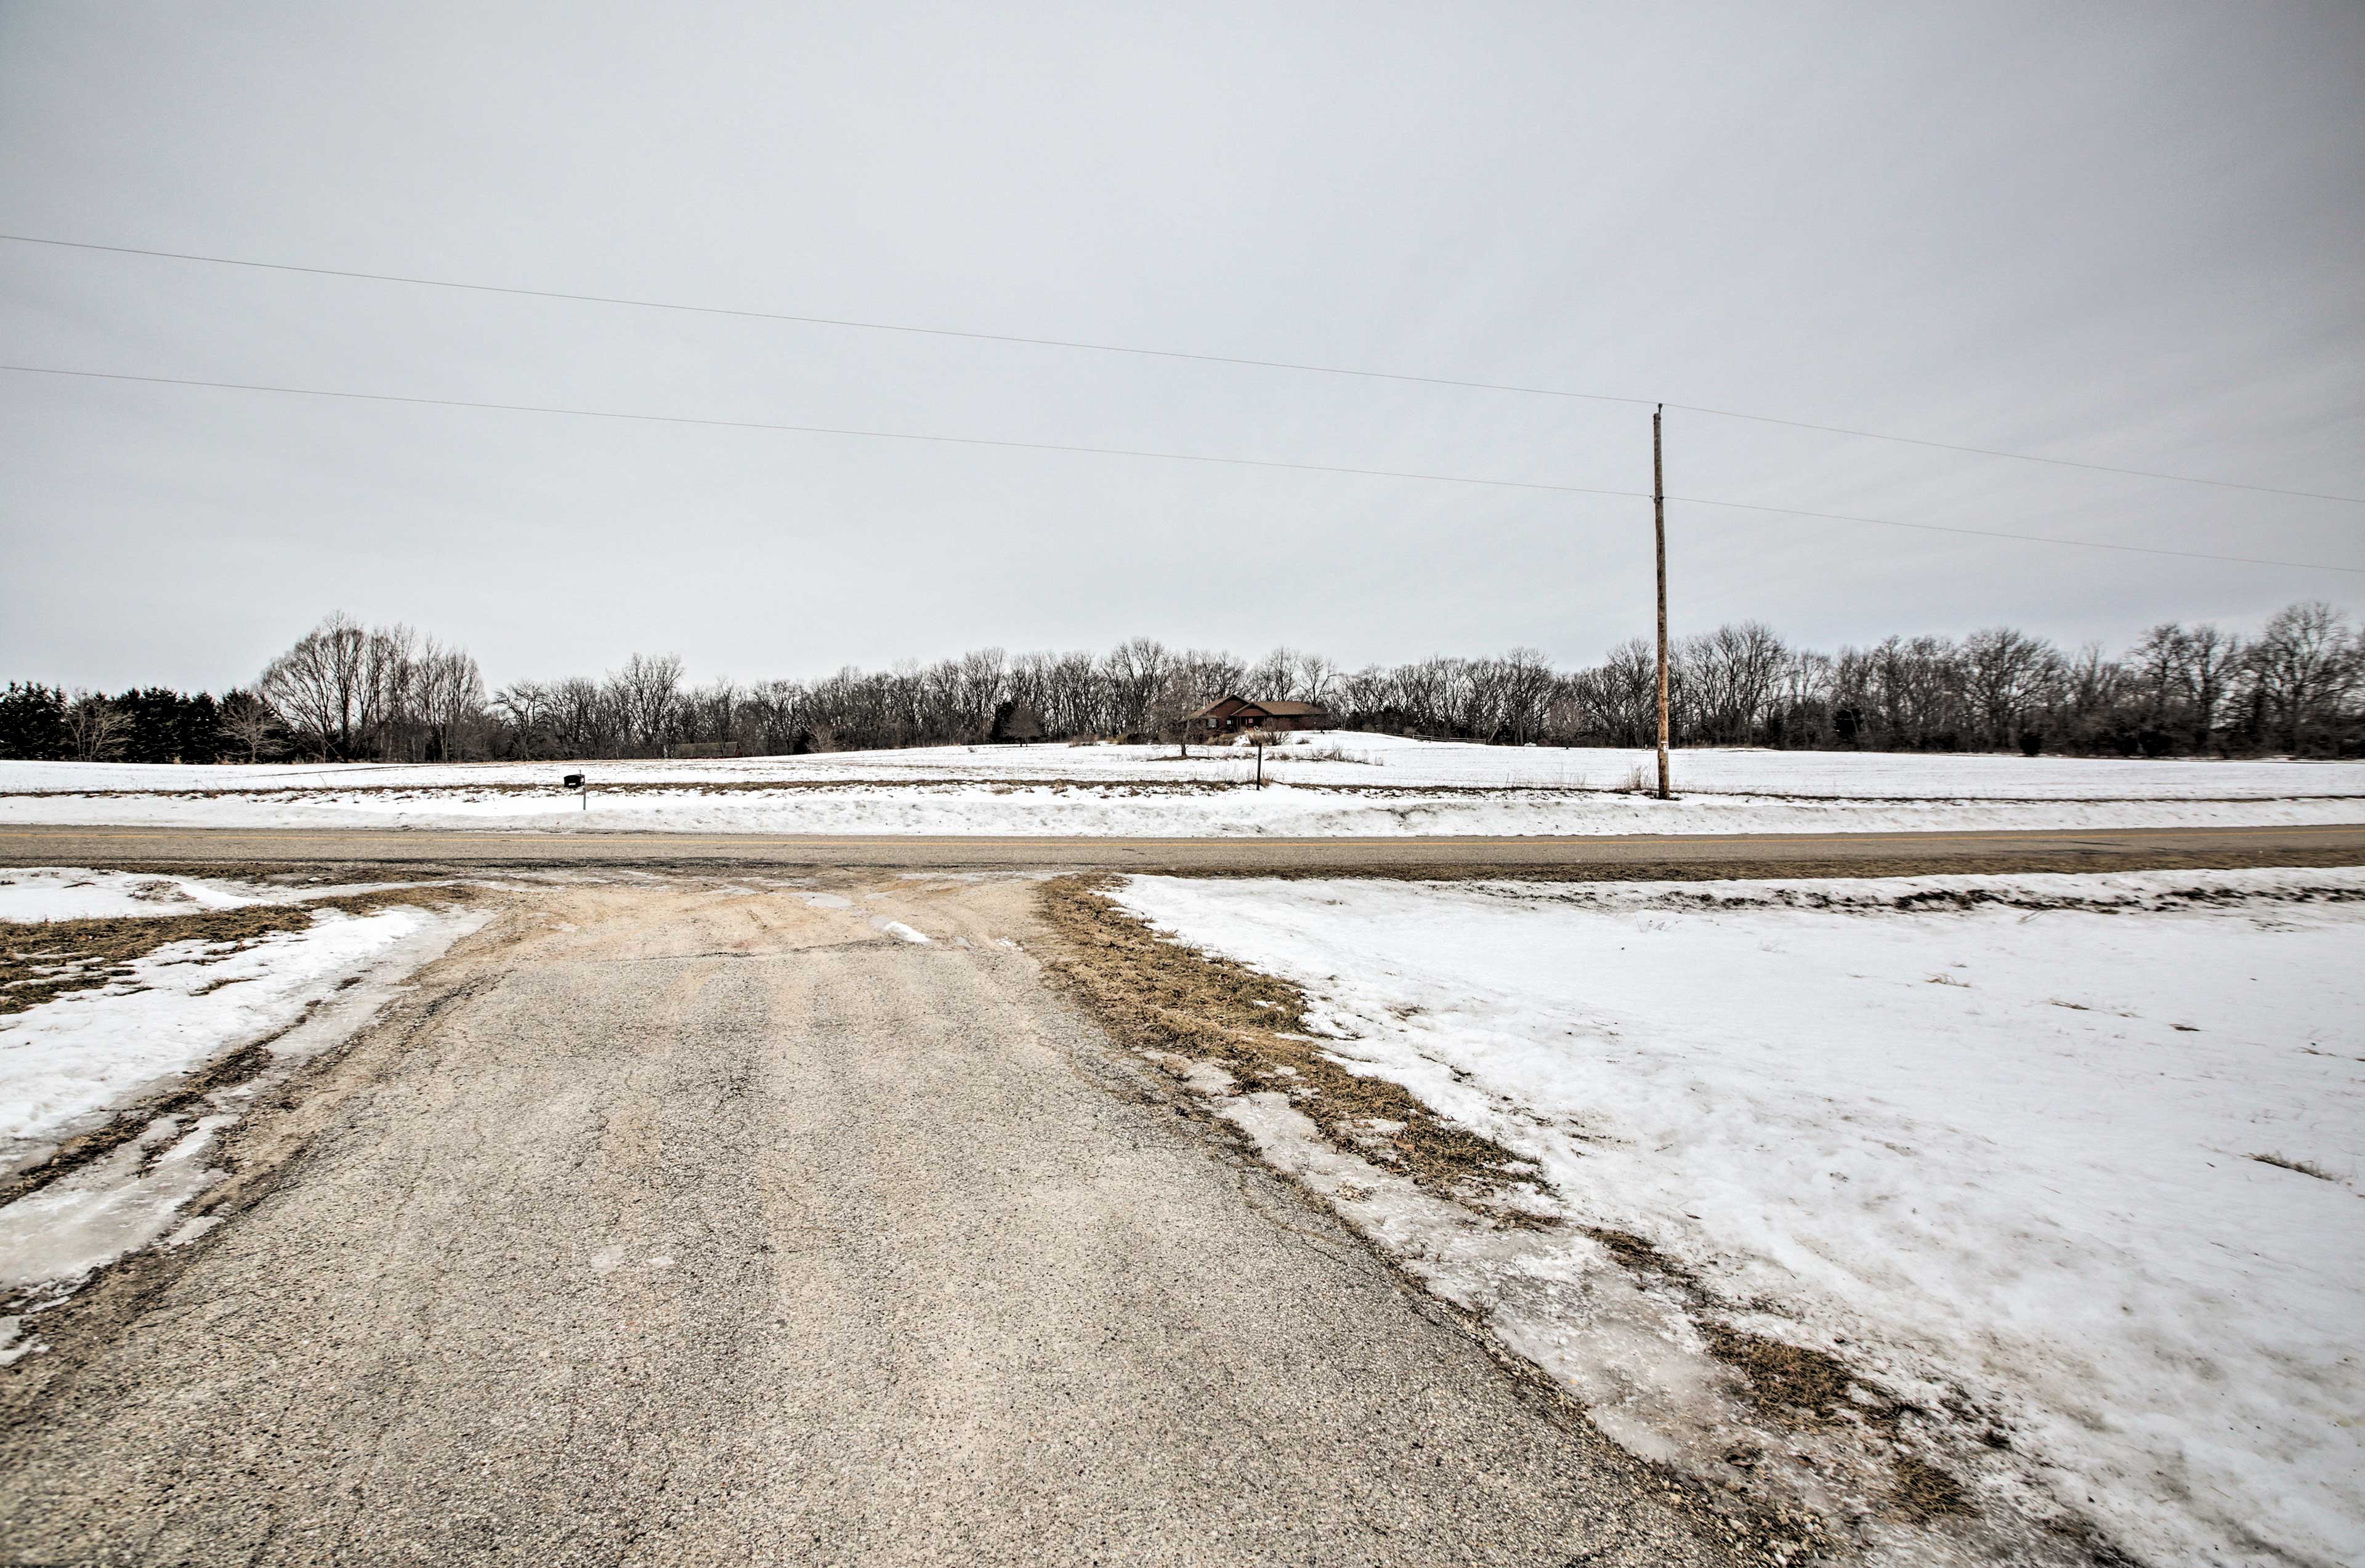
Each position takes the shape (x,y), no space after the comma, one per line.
(572,781)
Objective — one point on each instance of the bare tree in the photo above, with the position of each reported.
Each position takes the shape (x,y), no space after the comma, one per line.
(316,684)
(248,720)
(583,718)
(387,701)
(647,692)
(525,707)
(2006,672)
(450,695)
(976,691)
(1135,671)
(2212,661)
(1620,696)
(95,728)
(2304,665)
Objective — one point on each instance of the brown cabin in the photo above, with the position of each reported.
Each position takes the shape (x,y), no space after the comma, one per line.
(1230,715)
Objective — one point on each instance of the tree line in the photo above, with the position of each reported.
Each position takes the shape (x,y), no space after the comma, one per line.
(345,691)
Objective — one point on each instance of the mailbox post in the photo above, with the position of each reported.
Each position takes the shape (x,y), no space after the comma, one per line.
(575,782)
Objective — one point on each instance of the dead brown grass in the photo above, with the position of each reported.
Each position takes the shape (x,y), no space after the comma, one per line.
(1159,995)
(2301,1167)
(1793,1383)
(41,961)
(1636,1256)
(1925,1493)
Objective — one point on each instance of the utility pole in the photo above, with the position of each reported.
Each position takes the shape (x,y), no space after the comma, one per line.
(1659,521)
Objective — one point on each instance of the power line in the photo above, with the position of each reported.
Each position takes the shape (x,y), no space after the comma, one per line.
(817,320)
(1130,452)
(2030,538)
(2018,456)
(1164,353)
(823,429)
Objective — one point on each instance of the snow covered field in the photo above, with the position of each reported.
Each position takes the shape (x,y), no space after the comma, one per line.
(1322,784)
(2001,1145)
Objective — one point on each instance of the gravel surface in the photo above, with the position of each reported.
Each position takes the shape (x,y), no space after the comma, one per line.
(686,1224)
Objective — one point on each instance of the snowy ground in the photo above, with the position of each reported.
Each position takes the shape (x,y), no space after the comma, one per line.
(71,1064)
(52,892)
(1322,784)
(67,1060)
(1993,1142)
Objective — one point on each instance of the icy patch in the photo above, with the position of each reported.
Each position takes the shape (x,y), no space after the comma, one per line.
(113,1205)
(898,930)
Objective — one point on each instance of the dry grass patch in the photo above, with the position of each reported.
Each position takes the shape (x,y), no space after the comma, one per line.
(1638,1257)
(2302,1166)
(1792,1381)
(40,962)
(1926,1494)
(1157,994)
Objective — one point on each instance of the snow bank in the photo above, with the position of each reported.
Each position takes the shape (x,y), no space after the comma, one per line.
(2000,1154)
(67,1060)
(71,1063)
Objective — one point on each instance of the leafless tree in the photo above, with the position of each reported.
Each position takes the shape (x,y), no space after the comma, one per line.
(387,701)
(2006,672)
(2212,661)
(450,694)
(94,727)
(979,683)
(1135,671)
(583,719)
(647,692)
(524,708)
(2304,665)
(1619,696)
(249,722)
(316,685)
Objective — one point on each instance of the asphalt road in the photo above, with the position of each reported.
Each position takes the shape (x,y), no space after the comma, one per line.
(1866,853)
(670,1224)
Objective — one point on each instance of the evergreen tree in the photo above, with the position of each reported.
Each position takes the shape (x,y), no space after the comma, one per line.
(33,723)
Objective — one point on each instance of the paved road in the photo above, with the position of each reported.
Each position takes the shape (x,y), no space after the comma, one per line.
(682,1225)
(2096,849)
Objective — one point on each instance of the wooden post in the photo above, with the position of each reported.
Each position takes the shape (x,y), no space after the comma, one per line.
(1659,521)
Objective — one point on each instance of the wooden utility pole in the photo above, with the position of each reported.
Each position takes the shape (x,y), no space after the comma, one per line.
(1659,521)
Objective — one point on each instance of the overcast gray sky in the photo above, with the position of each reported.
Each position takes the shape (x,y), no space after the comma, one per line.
(2130,234)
